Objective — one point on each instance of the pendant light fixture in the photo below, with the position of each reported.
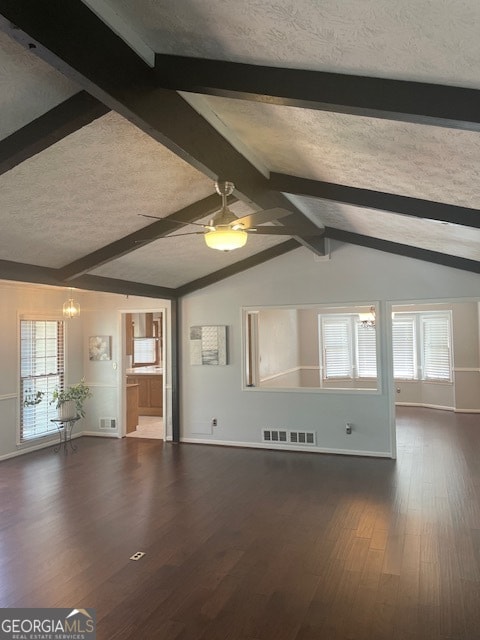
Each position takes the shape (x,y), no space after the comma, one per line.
(367,320)
(71,308)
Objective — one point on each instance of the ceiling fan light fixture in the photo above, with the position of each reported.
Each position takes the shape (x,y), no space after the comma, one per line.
(226,239)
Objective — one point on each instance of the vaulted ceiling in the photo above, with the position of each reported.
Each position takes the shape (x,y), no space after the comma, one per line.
(362,119)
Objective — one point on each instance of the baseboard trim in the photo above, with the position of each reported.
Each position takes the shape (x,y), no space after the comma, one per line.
(23,448)
(99,434)
(424,406)
(467,410)
(309,449)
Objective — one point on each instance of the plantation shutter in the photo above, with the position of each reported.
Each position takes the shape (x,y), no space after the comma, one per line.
(41,370)
(436,348)
(337,347)
(366,351)
(404,348)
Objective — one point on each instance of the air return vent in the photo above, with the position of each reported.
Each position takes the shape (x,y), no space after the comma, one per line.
(282,436)
(108,424)
(302,437)
(274,435)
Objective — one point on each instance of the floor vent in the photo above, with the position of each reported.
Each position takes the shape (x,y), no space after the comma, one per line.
(302,437)
(108,423)
(274,435)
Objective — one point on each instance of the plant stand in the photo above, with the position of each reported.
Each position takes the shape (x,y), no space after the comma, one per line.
(65,428)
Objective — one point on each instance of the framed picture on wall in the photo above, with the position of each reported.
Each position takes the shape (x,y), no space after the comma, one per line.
(208,345)
(100,347)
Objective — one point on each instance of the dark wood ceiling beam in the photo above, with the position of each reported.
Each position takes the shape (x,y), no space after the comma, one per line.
(64,119)
(408,251)
(366,198)
(137,239)
(107,68)
(124,287)
(238,267)
(21,272)
(407,101)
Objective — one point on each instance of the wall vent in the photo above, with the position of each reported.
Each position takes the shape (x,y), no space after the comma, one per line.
(108,424)
(302,437)
(274,435)
(292,437)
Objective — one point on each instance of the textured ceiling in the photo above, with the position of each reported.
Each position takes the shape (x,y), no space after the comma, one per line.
(88,189)
(29,87)
(84,191)
(428,40)
(454,239)
(397,157)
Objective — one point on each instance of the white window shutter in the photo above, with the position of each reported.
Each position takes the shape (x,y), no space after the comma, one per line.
(436,348)
(404,348)
(366,351)
(337,347)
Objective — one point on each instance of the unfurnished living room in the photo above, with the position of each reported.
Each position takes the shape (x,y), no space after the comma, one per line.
(240,320)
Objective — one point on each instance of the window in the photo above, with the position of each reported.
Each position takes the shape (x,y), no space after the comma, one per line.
(404,348)
(422,346)
(366,342)
(348,349)
(436,348)
(41,370)
(145,351)
(337,347)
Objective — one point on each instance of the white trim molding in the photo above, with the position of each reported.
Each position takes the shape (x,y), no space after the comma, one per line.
(9,396)
(279,447)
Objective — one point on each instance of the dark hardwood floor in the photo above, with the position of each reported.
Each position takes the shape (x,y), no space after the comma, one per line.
(252,544)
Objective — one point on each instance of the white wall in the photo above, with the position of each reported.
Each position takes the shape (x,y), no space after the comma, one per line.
(353,275)
(100,315)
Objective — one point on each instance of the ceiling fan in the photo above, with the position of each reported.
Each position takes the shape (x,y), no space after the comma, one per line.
(226,232)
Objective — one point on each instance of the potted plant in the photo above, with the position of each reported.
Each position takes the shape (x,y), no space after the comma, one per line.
(70,401)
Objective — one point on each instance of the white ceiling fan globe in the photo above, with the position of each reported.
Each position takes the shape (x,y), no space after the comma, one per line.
(222,235)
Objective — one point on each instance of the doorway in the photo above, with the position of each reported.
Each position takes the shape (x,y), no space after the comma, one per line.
(144,368)
(436,357)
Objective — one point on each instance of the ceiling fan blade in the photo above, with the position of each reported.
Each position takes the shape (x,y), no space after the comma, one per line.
(167,219)
(172,235)
(286,231)
(260,217)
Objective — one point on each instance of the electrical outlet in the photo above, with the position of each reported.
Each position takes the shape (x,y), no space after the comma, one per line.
(214,422)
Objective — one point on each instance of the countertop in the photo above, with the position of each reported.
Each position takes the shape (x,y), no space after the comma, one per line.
(145,371)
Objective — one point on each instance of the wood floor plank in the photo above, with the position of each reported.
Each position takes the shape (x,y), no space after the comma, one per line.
(252,544)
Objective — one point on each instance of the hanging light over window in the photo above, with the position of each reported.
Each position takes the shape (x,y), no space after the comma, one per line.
(367,320)
(71,308)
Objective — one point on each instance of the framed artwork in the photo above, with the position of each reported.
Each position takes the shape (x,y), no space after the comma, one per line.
(208,345)
(100,347)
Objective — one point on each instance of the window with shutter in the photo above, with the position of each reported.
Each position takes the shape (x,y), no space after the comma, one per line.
(436,352)
(337,347)
(366,348)
(404,348)
(423,338)
(41,370)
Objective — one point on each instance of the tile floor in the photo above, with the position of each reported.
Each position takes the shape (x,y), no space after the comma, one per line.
(148,427)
